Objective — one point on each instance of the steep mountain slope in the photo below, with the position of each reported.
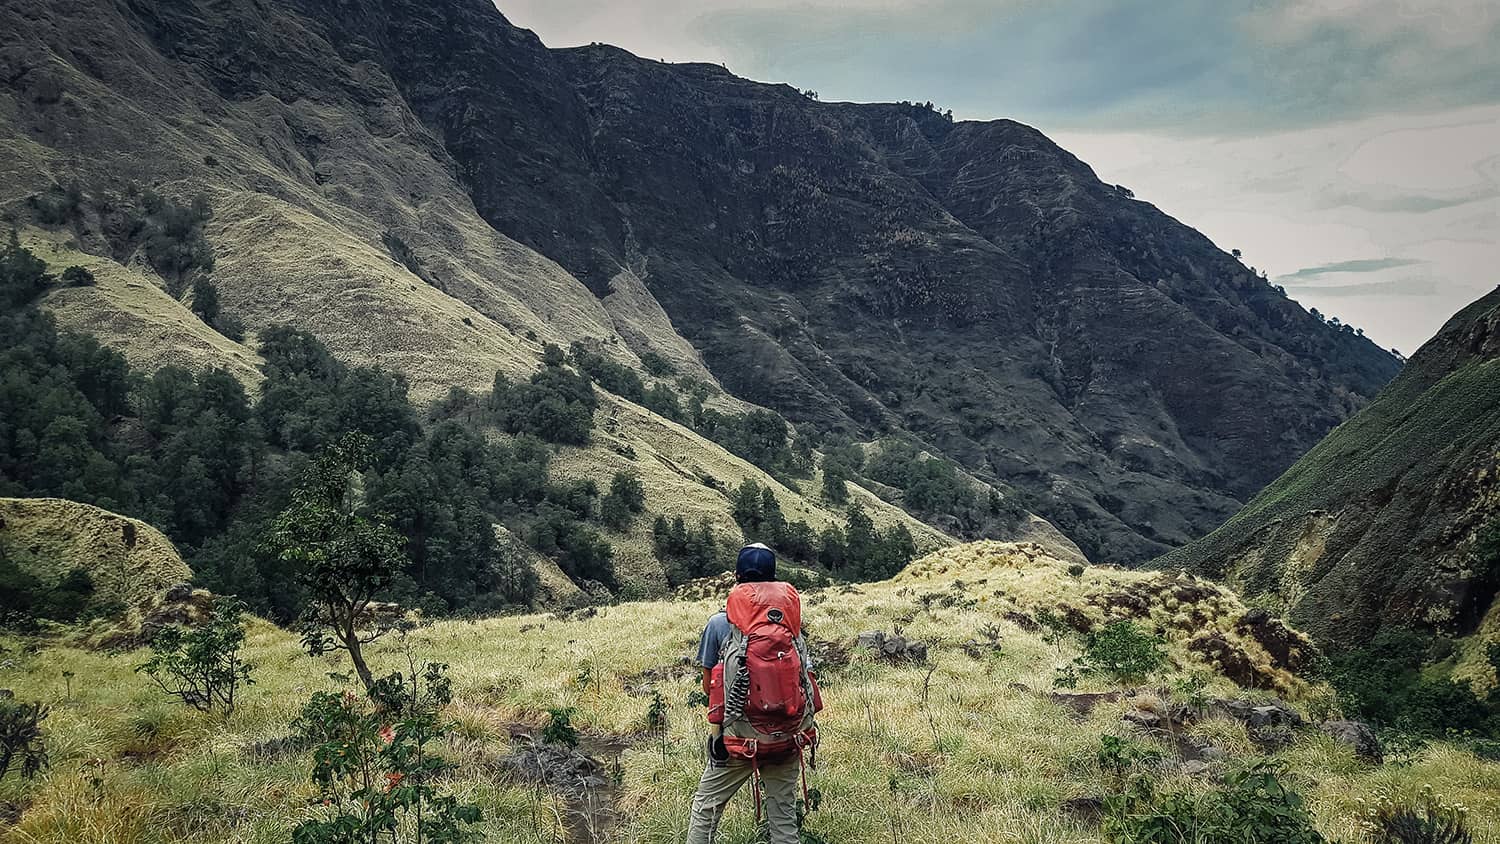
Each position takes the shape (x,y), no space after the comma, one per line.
(867,269)
(878,269)
(1378,524)
(309,167)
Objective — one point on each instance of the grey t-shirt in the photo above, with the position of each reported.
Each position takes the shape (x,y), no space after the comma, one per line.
(712,641)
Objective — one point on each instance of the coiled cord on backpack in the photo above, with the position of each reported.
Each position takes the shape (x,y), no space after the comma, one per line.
(738,694)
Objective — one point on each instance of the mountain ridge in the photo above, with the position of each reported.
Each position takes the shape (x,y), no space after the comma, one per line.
(795,252)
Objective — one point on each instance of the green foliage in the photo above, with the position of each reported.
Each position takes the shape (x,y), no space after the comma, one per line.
(1425,820)
(658,365)
(1122,651)
(309,399)
(656,713)
(206,306)
(442,496)
(869,554)
(21,737)
(25,599)
(202,666)
(559,728)
(172,236)
(58,205)
(579,549)
(687,552)
(1384,683)
(376,768)
(343,556)
(614,377)
(23,276)
(625,499)
(76,276)
(1253,806)
(556,404)
(759,436)
(835,480)
(1118,757)
(758,513)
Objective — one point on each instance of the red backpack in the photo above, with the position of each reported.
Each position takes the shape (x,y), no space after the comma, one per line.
(762,692)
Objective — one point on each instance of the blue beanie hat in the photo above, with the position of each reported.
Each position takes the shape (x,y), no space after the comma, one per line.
(756,562)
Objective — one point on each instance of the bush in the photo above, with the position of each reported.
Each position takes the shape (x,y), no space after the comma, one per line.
(1122,651)
(77,277)
(23,276)
(615,377)
(21,737)
(172,236)
(202,667)
(560,729)
(376,768)
(556,404)
(1252,807)
(1426,820)
(658,365)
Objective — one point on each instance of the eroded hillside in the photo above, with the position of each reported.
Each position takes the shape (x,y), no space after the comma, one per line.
(1394,519)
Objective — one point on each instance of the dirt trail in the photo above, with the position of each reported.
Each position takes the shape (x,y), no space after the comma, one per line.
(583,778)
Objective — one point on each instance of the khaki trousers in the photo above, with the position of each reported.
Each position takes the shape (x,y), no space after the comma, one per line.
(722,779)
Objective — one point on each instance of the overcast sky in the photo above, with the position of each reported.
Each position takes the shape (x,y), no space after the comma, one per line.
(1351,148)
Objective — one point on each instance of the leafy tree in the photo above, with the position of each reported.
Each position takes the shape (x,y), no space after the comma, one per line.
(202,666)
(345,557)
(1121,650)
(657,365)
(556,404)
(77,277)
(23,276)
(626,497)
(614,377)
(172,237)
(835,481)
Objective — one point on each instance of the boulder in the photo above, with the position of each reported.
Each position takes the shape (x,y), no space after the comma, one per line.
(1357,735)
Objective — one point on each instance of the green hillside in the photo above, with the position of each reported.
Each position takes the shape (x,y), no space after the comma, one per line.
(1381,523)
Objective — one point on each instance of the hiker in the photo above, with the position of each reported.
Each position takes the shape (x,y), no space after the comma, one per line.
(760,726)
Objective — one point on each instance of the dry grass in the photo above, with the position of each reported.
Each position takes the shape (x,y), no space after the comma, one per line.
(988,758)
(128,559)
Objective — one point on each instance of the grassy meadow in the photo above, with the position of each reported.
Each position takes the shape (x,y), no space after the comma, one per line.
(973,751)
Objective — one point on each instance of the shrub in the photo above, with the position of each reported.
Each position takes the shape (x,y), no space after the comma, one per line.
(626,497)
(658,365)
(560,729)
(379,776)
(202,667)
(1426,820)
(173,236)
(1252,807)
(21,737)
(556,404)
(1121,650)
(615,377)
(77,277)
(23,276)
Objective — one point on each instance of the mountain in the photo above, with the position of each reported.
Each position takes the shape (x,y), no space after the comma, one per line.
(1394,518)
(428,187)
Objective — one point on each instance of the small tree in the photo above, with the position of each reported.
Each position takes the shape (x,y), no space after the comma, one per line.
(202,666)
(21,737)
(835,477)
(344,557)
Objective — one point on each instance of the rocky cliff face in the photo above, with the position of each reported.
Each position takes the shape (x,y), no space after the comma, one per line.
(1395,517)
(867,269)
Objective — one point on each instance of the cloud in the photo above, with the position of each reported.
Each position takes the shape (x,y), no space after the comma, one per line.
(1401,287)
(1366,265)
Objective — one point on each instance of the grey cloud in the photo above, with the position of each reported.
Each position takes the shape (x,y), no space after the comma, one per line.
(1364,265)
(1403,203)
(1137,64)
(1415,287)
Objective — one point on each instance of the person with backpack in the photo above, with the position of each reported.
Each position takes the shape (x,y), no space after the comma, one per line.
(762,697)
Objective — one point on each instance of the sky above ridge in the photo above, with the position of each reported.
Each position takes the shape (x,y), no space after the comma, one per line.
(1350,148)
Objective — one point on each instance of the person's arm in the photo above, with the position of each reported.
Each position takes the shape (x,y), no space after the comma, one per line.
(707,678)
